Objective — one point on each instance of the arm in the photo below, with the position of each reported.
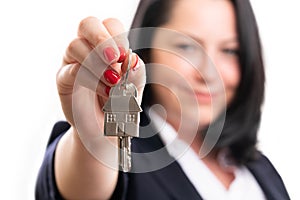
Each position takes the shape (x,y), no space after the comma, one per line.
(46,188)
(78,174)
(83,90)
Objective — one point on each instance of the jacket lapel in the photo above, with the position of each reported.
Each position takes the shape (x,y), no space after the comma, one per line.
(151,156)
(164,169)
(268,178)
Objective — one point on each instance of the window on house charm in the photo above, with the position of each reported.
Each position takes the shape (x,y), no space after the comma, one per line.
(111,117)
(131,117)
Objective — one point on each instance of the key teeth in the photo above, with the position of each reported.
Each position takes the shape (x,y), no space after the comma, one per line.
(125,154)
(126,167)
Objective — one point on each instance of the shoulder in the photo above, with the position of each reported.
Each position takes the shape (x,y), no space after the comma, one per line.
(262,164)
(268,177)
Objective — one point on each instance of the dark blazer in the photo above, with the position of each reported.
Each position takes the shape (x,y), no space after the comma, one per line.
(166,183)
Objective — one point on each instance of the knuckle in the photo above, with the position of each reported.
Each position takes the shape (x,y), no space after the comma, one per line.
(64,80)
(59,78)
(115,27)
(58,74)
(99,38)
(111,20)
(74,45)
(87,21)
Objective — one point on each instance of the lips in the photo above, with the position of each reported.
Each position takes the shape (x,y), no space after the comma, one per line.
(204,97)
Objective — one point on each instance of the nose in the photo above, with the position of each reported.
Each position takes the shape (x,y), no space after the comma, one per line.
(209,70)
(206,67)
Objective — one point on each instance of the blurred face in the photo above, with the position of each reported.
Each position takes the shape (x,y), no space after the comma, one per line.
(196,61)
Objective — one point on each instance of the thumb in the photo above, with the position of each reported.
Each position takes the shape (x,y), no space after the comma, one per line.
(65,78)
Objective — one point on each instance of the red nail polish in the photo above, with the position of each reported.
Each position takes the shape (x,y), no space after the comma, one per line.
(110,54)
(107,90)
(111,76)
(122,55)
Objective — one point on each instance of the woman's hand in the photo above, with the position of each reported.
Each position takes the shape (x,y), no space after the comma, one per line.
(85,161)
(94,62)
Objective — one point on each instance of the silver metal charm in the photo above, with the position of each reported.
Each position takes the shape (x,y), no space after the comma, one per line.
(121,118)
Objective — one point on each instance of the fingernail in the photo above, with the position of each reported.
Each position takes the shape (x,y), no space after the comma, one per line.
(110,54)
(122,55)
(136,66)
(111,76)
(107,90)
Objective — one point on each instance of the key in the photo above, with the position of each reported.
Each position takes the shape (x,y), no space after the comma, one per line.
(121,118)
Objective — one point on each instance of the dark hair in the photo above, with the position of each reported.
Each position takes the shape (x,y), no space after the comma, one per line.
(243,115)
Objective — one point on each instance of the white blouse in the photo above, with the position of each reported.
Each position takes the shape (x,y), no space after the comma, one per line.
(244,186)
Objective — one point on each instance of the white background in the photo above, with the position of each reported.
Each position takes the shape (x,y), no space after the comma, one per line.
(33,37)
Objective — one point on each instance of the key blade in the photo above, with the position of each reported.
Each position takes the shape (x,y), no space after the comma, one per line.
(125,153)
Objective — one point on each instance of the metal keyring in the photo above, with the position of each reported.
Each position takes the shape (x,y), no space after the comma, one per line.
(128,68)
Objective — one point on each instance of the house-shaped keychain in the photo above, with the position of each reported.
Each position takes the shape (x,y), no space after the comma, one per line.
(121,112)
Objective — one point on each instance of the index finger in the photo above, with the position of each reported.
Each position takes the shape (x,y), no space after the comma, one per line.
(117,31)
(92,30)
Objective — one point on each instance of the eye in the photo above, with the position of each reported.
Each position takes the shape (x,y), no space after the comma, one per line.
(185,47)
(231,51)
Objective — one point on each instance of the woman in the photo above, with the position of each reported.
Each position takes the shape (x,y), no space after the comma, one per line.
(205,80)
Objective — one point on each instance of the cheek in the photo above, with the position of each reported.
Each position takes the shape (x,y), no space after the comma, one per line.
(230,72)
(171,61)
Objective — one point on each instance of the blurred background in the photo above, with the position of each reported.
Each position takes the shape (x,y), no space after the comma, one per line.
(33,38)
